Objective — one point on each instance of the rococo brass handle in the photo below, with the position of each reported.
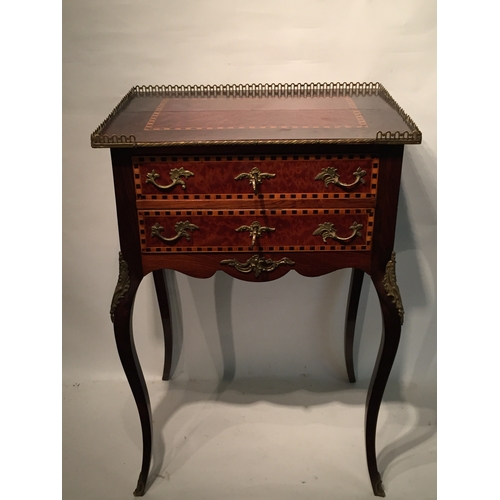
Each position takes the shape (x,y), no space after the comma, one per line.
(175,177)
(255,230)
(257,264)
(255,177)
(182,229)
(327,230)
(331,176)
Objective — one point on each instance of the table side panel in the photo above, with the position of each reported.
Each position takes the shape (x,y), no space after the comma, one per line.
(128,222)
(387,206)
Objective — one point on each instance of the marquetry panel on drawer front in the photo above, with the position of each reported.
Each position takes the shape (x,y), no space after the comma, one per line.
(278,230)
(213,178)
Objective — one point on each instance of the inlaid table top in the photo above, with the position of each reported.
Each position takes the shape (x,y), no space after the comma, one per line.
(302,113)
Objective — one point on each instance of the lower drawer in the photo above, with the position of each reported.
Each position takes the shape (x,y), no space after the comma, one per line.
(255,230)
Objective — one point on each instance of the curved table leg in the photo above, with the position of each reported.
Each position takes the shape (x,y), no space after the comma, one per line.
(166,319)
(350,321)
(392,319)
(121,315)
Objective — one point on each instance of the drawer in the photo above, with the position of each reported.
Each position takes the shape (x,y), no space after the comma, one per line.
(255,230)
(231,177)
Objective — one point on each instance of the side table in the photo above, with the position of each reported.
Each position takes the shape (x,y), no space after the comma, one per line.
(257,180)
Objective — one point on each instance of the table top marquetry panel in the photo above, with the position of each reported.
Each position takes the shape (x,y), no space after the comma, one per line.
(258,113)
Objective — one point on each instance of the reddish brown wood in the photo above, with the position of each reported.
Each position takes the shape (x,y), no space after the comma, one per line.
(154,116)
(160,281)
(214,220)
(291,228)
(217,175)
(219,138)
(126,210)
(387,206)
(130,362)
(391,333)
(350,322)
(251,202)
(129,240)
(200,265)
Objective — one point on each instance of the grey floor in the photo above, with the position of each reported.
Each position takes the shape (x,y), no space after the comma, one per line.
(248,439)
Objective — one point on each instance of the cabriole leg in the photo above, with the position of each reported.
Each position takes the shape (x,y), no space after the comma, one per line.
(392,319)
(121,316)
(166,319)
(350,322)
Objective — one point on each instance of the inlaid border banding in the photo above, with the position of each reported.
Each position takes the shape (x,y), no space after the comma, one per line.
(137,161)
(320,247)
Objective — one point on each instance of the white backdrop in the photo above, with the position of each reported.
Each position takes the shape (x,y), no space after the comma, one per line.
(292,326)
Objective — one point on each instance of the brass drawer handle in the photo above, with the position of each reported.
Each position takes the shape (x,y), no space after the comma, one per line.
(255,177)
(331,176)
(257,264)
(327,230)
(175,177)
(182,229)
(255,230)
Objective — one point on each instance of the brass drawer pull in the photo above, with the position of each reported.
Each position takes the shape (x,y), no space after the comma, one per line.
(175,177)
(257,264)
(255,230)
(331,176)
(255,177)
(182,229)
(327,230)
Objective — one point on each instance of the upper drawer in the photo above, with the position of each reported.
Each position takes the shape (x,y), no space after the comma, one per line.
(237,177)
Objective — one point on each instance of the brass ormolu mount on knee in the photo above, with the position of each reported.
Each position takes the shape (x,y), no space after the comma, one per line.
(121,287)
(391,285)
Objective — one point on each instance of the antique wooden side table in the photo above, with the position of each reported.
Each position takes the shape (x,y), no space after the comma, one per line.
(257,180)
